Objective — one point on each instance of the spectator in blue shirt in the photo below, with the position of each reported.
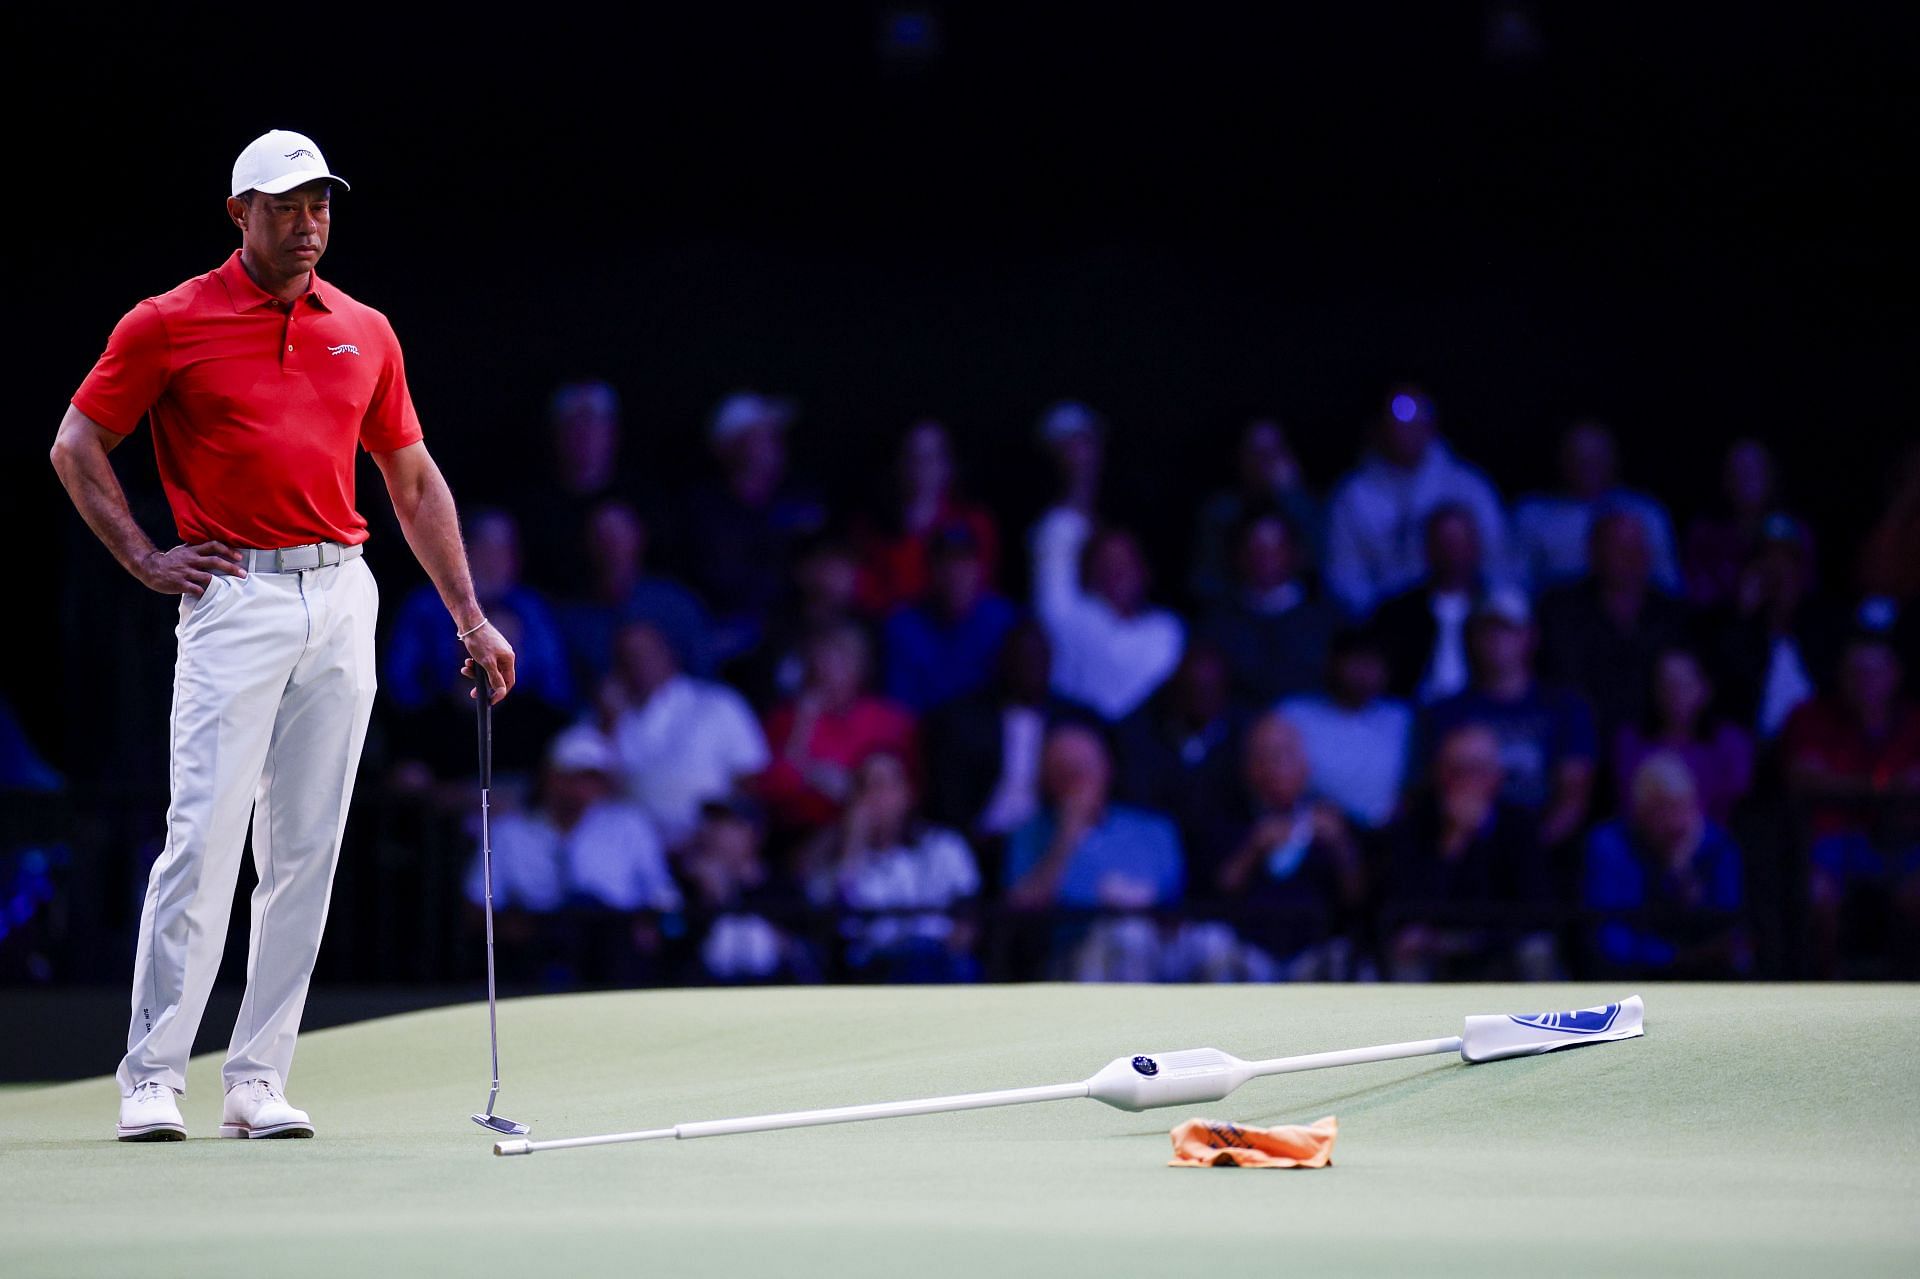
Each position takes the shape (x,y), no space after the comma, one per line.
(619,591)
(1667,882)
(1548,748)
(1082,850)
(946,646)
(421,677)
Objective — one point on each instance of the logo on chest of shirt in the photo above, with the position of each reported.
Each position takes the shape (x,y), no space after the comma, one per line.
(345,348)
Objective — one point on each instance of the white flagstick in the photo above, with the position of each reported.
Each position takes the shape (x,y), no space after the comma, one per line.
(1191,1075)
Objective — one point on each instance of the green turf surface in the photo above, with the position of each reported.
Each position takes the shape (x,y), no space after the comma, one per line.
(1754,1129)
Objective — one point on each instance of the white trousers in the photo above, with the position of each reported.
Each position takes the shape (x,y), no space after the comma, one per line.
(271,694)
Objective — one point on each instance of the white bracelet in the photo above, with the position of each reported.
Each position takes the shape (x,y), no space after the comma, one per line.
(471,629)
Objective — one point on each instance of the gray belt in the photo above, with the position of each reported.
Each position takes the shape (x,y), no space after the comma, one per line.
(298,559)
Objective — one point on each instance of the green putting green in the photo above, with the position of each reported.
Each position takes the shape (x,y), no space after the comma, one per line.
(1754,1129)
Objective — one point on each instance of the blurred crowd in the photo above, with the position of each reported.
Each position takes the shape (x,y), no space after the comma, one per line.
(1405,726)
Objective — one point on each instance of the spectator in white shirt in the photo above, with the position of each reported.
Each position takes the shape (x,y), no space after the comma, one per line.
(1356,738)
(1550,530)
(1377,518)
(581,845)
(680,741)
(1111,648)
(880,857)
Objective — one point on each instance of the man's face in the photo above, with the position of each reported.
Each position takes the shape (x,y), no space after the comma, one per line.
(644,657)
(493,551)
(1619,552)
(616,539)
(1587,462)
(1264,457)
(287,233)
(1117,574)
(1453,548)
(1276,766)
(926,463)
(958,577)
(1360,675)
(1266,556)
(1501,647)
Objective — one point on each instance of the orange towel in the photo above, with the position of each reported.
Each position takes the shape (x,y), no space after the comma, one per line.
(1208,1143)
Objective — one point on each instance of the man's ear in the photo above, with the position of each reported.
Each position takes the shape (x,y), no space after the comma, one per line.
(237,209)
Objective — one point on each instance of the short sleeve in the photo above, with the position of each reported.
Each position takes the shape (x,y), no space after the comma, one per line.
(131,374)
(391,422)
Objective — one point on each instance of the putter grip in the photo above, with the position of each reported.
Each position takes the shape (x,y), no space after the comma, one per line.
(483,711)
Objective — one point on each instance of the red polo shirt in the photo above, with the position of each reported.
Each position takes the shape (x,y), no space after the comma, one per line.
(256,404)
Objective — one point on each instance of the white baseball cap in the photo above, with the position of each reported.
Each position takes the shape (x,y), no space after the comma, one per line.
(280,160)
(582,749)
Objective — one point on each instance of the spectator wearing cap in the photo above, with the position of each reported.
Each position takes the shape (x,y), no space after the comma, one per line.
(1680,719)
(906,877)
(823,733)
(1111,648)
(739,534)
(1272,627)
(1722,543)
(1547,748)
(1852,758)
(896,549)
(1180,755)
(1356,738)
(1551,530)
(1377,517)
(581,844)
(945,646)
(742,907)
(988,745)
(1464,877)
(1075,438)
(1775,637)
(1425,626)
(585,434)
(1602,634)
(679,741)
(422,676)
(620,590)
(1664,885)
(1267,477)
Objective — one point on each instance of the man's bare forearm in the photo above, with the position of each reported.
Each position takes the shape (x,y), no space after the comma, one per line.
(88,476)
(431,523)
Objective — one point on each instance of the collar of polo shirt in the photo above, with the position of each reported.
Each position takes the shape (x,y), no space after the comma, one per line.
(246,294)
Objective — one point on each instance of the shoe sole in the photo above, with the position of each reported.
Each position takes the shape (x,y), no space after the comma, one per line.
(267,1133)
(152,1132)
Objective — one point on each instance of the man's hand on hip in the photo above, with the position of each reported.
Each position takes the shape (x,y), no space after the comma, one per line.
(488,649)
(186,570)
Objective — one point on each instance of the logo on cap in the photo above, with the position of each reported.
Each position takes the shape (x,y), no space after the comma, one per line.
(295,155)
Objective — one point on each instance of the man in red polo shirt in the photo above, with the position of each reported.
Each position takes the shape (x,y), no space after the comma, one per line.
(260,382)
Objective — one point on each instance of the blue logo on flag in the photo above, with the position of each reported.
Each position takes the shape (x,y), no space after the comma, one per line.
(1581,1021)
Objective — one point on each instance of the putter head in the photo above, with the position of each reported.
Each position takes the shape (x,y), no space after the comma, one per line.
(501,1125)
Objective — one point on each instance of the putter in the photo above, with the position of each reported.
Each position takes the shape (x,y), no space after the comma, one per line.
(1179,1078)
(483,701)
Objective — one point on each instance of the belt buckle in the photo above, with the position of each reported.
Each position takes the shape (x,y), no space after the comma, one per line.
(280,559)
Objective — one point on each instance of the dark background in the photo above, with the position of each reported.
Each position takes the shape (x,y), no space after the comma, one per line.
(1685,221)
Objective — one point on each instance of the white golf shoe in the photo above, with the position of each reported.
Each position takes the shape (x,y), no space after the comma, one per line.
(255,1108)
(149,1113)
